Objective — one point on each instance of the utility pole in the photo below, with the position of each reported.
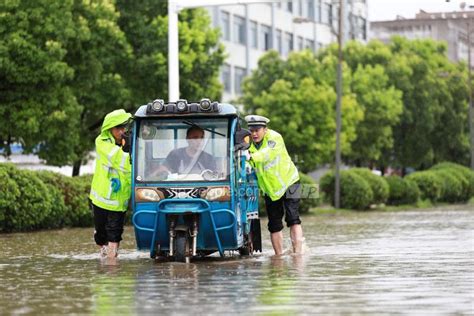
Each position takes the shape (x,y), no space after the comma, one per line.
(471,110)
(337,191)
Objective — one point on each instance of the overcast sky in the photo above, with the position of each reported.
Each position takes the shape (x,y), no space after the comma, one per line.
(380,10)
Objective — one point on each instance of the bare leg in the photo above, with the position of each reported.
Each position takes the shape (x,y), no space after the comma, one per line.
(277,242)
(296,234)
(113,249)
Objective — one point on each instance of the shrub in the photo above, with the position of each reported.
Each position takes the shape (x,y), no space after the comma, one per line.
(9,194)
(452,187)
(355,191)
(57,216)
(76,191)
(463,174)
(308,200)
(26,210)
(429,183)
(401,191)
(377,183)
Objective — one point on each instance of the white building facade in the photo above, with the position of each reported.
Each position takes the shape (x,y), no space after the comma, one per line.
(249,31)
(450,27)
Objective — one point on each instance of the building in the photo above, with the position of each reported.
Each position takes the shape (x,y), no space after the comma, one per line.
(451,27)
(249,30)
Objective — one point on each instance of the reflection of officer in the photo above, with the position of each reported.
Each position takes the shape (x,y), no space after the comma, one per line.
(278,178)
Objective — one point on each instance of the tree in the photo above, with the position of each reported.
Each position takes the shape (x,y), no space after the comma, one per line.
(382,105)
(37,108)
(419,70)
(145,24)
(297,98)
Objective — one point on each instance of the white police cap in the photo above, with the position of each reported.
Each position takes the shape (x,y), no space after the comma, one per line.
(256,120)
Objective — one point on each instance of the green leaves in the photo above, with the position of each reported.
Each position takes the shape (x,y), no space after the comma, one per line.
(65,64)
(404,104)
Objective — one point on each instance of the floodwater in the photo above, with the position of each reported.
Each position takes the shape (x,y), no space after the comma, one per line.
(410,262)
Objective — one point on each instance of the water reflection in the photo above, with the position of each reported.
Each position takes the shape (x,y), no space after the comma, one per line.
(363,263)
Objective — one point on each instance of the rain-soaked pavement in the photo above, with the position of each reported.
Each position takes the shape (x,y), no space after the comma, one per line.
(410,262)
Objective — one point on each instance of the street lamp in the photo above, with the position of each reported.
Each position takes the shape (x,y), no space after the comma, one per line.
(337,189)
(471,110)
(471,105)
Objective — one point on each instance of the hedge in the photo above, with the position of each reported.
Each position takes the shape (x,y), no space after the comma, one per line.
(402,191)
(453,189)
(377,183)
(355,190)
(429,183)
(463,174)
(25,201)
(32,200)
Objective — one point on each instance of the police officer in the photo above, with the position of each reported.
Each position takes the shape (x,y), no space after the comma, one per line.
(278,178)
(111,184)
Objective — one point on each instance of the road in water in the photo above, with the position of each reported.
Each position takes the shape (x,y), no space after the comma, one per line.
(411,262)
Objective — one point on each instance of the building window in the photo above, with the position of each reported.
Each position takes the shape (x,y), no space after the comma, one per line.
(239,29)
(300,7)
(334,17)
(253,34)
(279,42)
(239,75)
(265,37)
(289,6)
(310,13)
(318,12)
(225,77)
(225,25)
(288,45)
(326,14)
(300,43)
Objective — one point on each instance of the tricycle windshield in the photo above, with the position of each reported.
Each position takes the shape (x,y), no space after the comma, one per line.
(184,149)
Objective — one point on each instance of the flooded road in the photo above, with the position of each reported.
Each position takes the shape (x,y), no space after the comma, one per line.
(411,262)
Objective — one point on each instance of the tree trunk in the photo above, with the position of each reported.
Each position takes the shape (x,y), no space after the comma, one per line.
(76,168)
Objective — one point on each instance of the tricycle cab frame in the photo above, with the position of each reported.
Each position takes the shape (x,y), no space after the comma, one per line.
(184,213)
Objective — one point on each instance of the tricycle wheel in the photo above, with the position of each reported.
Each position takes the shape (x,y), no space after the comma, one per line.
(181,246)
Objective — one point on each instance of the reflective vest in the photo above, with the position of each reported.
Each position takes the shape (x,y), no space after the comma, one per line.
(111,163)
(273,166)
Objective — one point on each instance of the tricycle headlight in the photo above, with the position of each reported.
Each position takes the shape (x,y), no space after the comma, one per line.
(182,105)
(205,104)
(216,194)
(158,105)
(147,195)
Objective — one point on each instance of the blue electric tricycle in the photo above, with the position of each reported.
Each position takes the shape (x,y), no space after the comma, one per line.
(193,191)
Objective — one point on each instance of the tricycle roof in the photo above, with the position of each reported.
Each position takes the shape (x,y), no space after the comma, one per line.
(158,108)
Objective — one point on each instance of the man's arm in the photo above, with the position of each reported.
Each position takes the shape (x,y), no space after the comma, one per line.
(114,156)
(274,146)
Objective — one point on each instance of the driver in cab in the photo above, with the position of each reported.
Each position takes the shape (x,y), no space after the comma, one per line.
(191,159)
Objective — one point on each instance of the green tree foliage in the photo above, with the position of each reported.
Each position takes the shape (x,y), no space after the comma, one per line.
(96,53)
(37,107)
(434,97)
(65,64)
(145,24)
(301,106)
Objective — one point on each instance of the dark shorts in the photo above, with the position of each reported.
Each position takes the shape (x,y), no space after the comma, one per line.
(286,206)
(108,225)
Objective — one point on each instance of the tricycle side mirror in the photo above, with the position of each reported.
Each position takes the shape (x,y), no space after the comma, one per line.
(242,139)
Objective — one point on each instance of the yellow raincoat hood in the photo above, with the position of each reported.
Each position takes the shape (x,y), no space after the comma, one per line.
(114,118)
